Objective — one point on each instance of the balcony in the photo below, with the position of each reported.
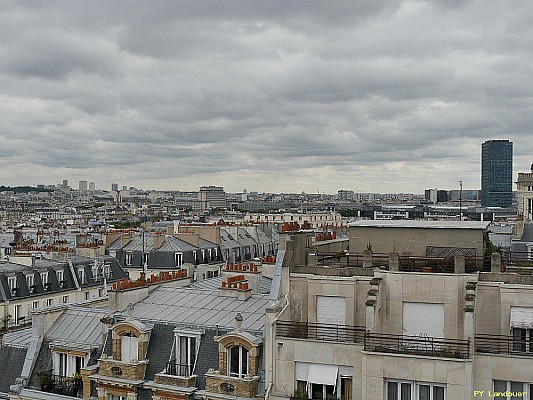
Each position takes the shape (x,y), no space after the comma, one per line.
(499,344)
(417,345)
(177,369)
(62,385)
(323,332)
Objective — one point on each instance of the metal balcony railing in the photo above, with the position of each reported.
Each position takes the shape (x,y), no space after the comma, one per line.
(176,369)
(66,386)
(500,344)
(417,345)
(325,332)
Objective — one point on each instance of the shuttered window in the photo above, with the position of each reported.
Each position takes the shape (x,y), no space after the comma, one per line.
(423,319)
(331,310)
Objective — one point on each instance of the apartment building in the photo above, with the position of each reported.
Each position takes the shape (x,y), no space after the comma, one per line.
(388,331)
(28,283)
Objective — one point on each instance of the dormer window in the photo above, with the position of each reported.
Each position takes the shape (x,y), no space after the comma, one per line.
(66,364)
(30,281)
(82,276)
(129,258)
(145,259)
(12,282)
(129,348)
(179,259)
(237,361)
(60,276)
(44,278)
(186,349)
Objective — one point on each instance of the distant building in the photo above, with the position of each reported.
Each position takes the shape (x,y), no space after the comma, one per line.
(213,195)
(524,187)
(82,186)
(345,195)
(65,183)
(436,196)
(92,187)
(497,173)
(114,186)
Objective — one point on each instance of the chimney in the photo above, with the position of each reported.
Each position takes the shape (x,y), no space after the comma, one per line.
(251,272)
(159,239)
(191,238)
(235,286)
(125,239)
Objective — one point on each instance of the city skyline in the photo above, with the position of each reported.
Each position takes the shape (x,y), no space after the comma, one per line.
(377,96)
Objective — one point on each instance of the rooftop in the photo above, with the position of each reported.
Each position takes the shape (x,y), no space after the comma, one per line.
(198,308)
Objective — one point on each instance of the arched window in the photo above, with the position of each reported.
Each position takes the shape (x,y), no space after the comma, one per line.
(237,361)
(129,348)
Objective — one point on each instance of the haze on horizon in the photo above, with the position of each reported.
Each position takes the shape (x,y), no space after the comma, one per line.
(372,95)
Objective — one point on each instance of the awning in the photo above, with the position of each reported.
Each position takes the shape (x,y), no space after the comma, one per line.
(323,374)
(302,371)
(522,317)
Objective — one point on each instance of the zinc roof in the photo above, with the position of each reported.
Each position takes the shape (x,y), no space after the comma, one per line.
(191,307)
(78,326)
(420,224)
(20,338)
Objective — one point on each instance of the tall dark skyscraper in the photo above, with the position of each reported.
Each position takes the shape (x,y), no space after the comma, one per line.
(497,173)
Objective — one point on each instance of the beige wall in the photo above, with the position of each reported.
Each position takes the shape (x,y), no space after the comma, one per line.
(413,240)
(494,367)
(310,351)
(376,368)
(399,287)
(305,289)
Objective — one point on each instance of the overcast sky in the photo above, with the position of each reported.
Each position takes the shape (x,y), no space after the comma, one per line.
(281,96)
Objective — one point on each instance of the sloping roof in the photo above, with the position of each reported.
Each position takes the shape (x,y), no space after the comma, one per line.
(244,238)
(207,358)
(190,307)
(528,233)
(78,327)
(227,241)
(214,283)
(159,349)
(11,366)
(206,244)
(19,339)
(171,243)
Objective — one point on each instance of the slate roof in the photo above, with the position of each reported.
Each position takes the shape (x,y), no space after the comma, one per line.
(42,363)
(207,358)
(12,361)
(244,238)
(528,233)
(227,241)
(189,307)
(159,349)
(171,244)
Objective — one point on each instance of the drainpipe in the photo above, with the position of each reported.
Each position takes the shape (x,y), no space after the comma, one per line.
(272,344)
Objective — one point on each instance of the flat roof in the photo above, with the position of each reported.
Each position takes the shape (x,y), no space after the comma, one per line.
(420,224)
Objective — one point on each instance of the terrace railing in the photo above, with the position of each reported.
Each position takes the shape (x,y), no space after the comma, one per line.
(417,345)
(324,332)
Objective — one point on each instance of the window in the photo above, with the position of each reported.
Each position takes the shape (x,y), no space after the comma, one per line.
(185,355)
(210,274)
(30,281)
(65,299)
(179,259)
(101,292)
(116,397)
(237,361)
(66,364)
(17,315)
(518,388)
(129,258)
(81,275)
(86,295)
(129,348)
(409,390)
(12,282)
(60,276)
(49,302)
(44,278)
(145,259)
(34,305)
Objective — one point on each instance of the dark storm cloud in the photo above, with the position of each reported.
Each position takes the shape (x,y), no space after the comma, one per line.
(367,95)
